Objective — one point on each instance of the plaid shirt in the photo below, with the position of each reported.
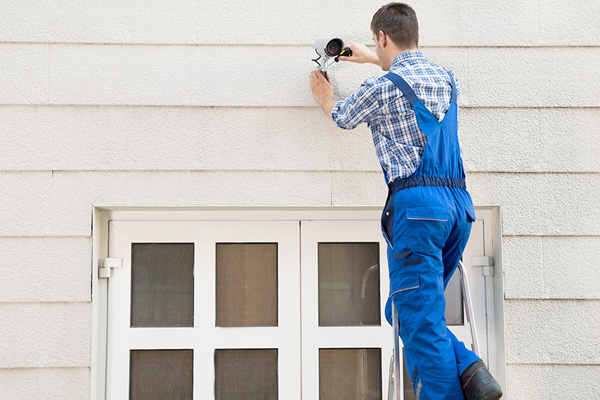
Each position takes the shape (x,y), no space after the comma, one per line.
(398,140)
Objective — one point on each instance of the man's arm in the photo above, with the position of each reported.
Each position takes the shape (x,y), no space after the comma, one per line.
(361,54)
(322,90)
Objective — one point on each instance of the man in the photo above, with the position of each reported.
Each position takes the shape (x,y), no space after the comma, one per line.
(427,217)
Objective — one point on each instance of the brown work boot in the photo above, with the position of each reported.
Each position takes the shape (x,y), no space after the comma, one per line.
(478,384)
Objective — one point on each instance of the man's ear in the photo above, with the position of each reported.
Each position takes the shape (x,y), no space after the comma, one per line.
(383,38)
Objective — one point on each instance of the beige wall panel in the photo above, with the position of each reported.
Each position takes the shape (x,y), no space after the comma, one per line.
(180,138)
(535,77)
(38,269)
(573,23)
(541,204)
(25,202)
(468,23)
(532,204)
(77,192)
(45,383)
(183,138)
(553,382)
(552,332)
(530,140)
(45,335)
(551,267)
(24,73)
(359,188)
(197,75)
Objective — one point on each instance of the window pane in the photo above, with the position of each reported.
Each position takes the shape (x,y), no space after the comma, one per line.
(349,374)
(454,301)
(247,284)
(162,284)
(246,374)
(161,374)
(349,284)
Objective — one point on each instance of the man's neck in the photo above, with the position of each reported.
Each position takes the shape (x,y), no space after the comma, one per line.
(402,51)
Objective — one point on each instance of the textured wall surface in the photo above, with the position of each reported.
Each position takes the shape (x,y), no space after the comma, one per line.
(167,103)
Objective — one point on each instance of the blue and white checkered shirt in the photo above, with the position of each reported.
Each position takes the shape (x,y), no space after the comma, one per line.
(398,140)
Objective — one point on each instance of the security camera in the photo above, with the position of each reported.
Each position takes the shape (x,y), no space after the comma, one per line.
(329,49)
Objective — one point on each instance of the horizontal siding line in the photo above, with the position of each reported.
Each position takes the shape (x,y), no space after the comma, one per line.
(283,208)
(290,171)
(552,300)
(533,172)
(552,236)
(250,107)
(514,46)
(183,209)
(550,365)
(45,237)
(473,172)
(42,368)
(56,303)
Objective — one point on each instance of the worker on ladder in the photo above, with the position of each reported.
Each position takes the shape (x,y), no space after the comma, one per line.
(413,115)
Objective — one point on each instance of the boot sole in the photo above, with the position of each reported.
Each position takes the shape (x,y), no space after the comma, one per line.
(492,396)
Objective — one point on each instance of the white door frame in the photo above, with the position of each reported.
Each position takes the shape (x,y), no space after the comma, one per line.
(104,214)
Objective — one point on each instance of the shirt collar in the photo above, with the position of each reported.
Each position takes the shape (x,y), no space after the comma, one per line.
(408,55)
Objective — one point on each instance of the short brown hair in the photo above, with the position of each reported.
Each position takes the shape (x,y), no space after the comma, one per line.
(399,22)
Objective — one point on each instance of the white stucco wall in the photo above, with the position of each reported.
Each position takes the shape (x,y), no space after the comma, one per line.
(208,103)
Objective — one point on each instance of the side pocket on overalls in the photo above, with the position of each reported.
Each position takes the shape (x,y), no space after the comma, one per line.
(387,219)
(406,294)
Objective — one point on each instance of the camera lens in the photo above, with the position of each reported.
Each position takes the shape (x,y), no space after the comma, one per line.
(334,47)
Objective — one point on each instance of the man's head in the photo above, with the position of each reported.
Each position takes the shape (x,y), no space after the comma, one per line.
(395,30)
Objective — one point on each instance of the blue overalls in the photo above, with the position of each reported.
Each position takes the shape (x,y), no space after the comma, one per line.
(426,222)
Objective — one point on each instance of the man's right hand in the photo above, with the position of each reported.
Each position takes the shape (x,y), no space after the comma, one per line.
(361,54)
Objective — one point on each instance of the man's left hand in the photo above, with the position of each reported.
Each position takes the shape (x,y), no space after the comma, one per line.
(322,90)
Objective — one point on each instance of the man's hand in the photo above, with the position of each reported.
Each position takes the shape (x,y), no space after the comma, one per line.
(361,54)
(322,90)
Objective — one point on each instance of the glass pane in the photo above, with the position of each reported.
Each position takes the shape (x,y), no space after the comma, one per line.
(161,374)
(247,284)
(454,301)
(349,284)
(349,374)
(162,284)
(409,393)
(246,374)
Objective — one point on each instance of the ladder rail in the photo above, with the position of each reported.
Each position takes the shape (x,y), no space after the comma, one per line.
(464,282)
(395,393)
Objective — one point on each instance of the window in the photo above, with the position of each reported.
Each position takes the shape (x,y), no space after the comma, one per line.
(253,304)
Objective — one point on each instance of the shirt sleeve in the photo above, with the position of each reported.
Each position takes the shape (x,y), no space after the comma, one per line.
(458,89)
(361,106)
(458,86)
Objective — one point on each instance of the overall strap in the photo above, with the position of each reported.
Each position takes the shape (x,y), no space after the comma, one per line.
(409,92)
(403,86)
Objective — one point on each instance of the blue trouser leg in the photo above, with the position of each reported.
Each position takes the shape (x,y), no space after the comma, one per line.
(426,250)
(428,347)
(451,253)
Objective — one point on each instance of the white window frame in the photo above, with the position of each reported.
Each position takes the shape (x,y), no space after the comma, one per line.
(104,214)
